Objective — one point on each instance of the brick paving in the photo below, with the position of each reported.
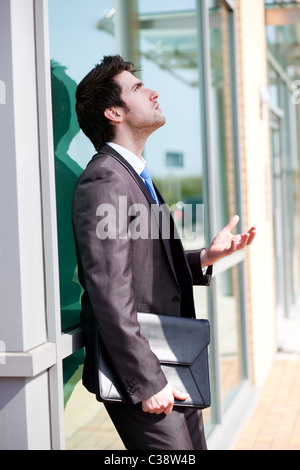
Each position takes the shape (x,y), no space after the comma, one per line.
(275,421)
(273,425)
(87,424)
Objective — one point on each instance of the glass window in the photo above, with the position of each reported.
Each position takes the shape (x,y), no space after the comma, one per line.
(226,194)
(283,74)
(76,45)
(222,112)
(169,62)
(285,156)
(228,287)
(296,256)
(80,34)
(169,59)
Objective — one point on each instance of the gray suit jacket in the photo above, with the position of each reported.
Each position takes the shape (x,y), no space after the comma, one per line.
(122,275)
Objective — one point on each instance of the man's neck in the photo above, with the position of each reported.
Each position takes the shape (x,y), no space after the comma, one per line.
(135,147)
(134,141)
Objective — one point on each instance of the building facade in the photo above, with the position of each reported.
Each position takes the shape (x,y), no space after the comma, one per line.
(228,76)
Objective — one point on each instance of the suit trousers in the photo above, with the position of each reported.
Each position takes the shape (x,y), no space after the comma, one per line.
(182,429)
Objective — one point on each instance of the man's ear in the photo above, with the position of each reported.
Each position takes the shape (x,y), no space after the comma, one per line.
(114,114)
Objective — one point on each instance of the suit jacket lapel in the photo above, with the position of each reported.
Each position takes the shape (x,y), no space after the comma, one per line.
(107,150)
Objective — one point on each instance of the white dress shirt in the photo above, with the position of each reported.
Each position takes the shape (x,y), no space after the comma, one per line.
(137,163)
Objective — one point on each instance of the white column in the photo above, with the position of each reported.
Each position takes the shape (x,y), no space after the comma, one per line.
(24,390)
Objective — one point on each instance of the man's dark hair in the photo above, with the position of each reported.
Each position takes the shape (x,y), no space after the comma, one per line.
(97,92)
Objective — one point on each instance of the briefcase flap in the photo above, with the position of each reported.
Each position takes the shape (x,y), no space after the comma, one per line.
(171,340)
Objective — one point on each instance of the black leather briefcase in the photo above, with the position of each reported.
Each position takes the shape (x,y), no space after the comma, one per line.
(181,345)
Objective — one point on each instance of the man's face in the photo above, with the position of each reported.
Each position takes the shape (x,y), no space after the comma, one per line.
(143,111)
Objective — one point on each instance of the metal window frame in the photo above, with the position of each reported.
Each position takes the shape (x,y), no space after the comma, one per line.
(210,208)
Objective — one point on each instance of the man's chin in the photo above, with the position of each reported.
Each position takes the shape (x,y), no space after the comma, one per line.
(162,121)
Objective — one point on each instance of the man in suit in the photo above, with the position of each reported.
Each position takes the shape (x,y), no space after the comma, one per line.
(122,274)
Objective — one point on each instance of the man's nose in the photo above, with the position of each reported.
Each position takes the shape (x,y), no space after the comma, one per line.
(154,95)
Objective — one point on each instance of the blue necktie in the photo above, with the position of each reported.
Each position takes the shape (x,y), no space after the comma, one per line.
(148,182)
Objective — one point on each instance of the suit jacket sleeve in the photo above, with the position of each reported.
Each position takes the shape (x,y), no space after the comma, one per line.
(107,270)
(194,261)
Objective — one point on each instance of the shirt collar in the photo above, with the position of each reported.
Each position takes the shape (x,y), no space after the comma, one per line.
(137,163)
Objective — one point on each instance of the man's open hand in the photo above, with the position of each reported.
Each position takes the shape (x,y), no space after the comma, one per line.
(163,401)
(224,244)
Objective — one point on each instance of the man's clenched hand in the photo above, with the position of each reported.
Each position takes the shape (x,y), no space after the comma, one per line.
(163,401)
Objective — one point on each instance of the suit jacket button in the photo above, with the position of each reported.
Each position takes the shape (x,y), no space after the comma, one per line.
(176,299)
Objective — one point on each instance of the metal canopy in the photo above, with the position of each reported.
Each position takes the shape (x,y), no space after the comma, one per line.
(169,40)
